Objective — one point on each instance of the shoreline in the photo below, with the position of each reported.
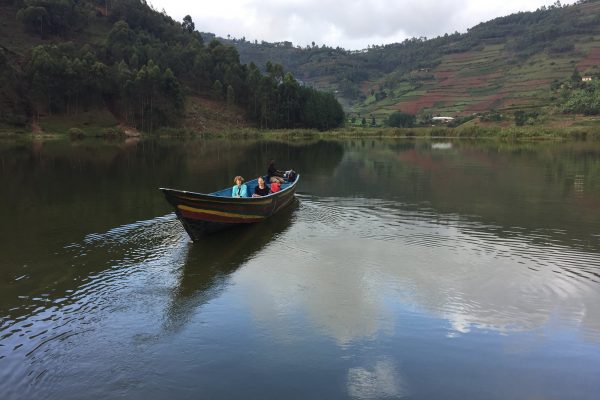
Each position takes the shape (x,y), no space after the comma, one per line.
(470,132)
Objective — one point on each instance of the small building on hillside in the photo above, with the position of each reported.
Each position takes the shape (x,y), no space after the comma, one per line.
(443,120)
(586,79)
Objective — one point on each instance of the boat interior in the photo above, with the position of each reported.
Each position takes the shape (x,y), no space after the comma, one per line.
(251,185)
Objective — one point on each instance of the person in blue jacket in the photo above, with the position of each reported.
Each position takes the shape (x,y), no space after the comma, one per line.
(239,189)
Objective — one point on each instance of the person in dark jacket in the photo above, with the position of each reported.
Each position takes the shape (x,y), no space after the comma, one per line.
(261,189)
(273,174)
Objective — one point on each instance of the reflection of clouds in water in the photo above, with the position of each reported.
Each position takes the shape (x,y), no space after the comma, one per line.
(459,324)
(489,286)
(347,303)
(342,299)
(346,276)
(383,381)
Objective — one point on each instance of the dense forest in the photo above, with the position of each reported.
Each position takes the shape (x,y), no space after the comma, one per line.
(141,65)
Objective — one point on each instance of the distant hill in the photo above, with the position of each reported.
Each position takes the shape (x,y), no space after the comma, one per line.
(506,64)
(94,64)
(84,63)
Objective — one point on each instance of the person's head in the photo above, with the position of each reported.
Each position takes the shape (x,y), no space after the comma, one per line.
(271,163)
(261,182)
(238,180)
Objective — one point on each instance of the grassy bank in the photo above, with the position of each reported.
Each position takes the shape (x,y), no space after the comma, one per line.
(471,132)
(487,132)
(529,132)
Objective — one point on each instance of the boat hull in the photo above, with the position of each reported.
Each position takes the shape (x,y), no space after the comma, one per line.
(202,214)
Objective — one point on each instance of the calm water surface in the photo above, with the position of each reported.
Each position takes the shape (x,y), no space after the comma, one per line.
(406,269)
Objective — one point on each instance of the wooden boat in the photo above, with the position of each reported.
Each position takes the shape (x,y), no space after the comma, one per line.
(201,214)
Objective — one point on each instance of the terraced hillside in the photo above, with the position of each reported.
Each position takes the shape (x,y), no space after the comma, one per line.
(488,79)
(506,64)
(479,81)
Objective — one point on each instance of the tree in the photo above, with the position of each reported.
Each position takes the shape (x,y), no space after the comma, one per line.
(34,17)
(575,76)
(217,89)
(188,25)
(520,118)
(399,119)
(583,100)
(230,96)
(53,16)
(121,41)
(275,71)
(14,108)
(137,71)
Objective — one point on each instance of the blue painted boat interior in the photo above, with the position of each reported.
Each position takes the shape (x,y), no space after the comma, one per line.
(251,186)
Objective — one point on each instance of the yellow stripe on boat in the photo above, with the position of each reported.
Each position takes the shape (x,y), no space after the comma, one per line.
(219,213)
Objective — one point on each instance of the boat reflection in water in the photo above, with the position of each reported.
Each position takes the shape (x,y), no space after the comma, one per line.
(210,261)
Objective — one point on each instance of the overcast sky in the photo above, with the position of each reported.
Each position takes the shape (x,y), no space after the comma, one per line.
(352,24)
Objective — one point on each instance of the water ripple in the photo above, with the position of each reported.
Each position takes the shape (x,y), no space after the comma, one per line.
(471,273)
(389,221)
(124,255)
(455,267)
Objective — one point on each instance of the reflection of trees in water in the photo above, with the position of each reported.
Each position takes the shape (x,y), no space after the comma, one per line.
(542,187)
(320,157)
(206,165)
(105,184)
(209,262)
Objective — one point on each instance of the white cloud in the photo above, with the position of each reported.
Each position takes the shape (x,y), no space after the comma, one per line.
(383,381)
(350,24)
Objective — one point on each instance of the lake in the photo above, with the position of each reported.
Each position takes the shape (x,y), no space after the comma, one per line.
(412,269)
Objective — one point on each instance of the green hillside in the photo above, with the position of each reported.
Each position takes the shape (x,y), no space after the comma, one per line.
(108,65)
(504,65)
